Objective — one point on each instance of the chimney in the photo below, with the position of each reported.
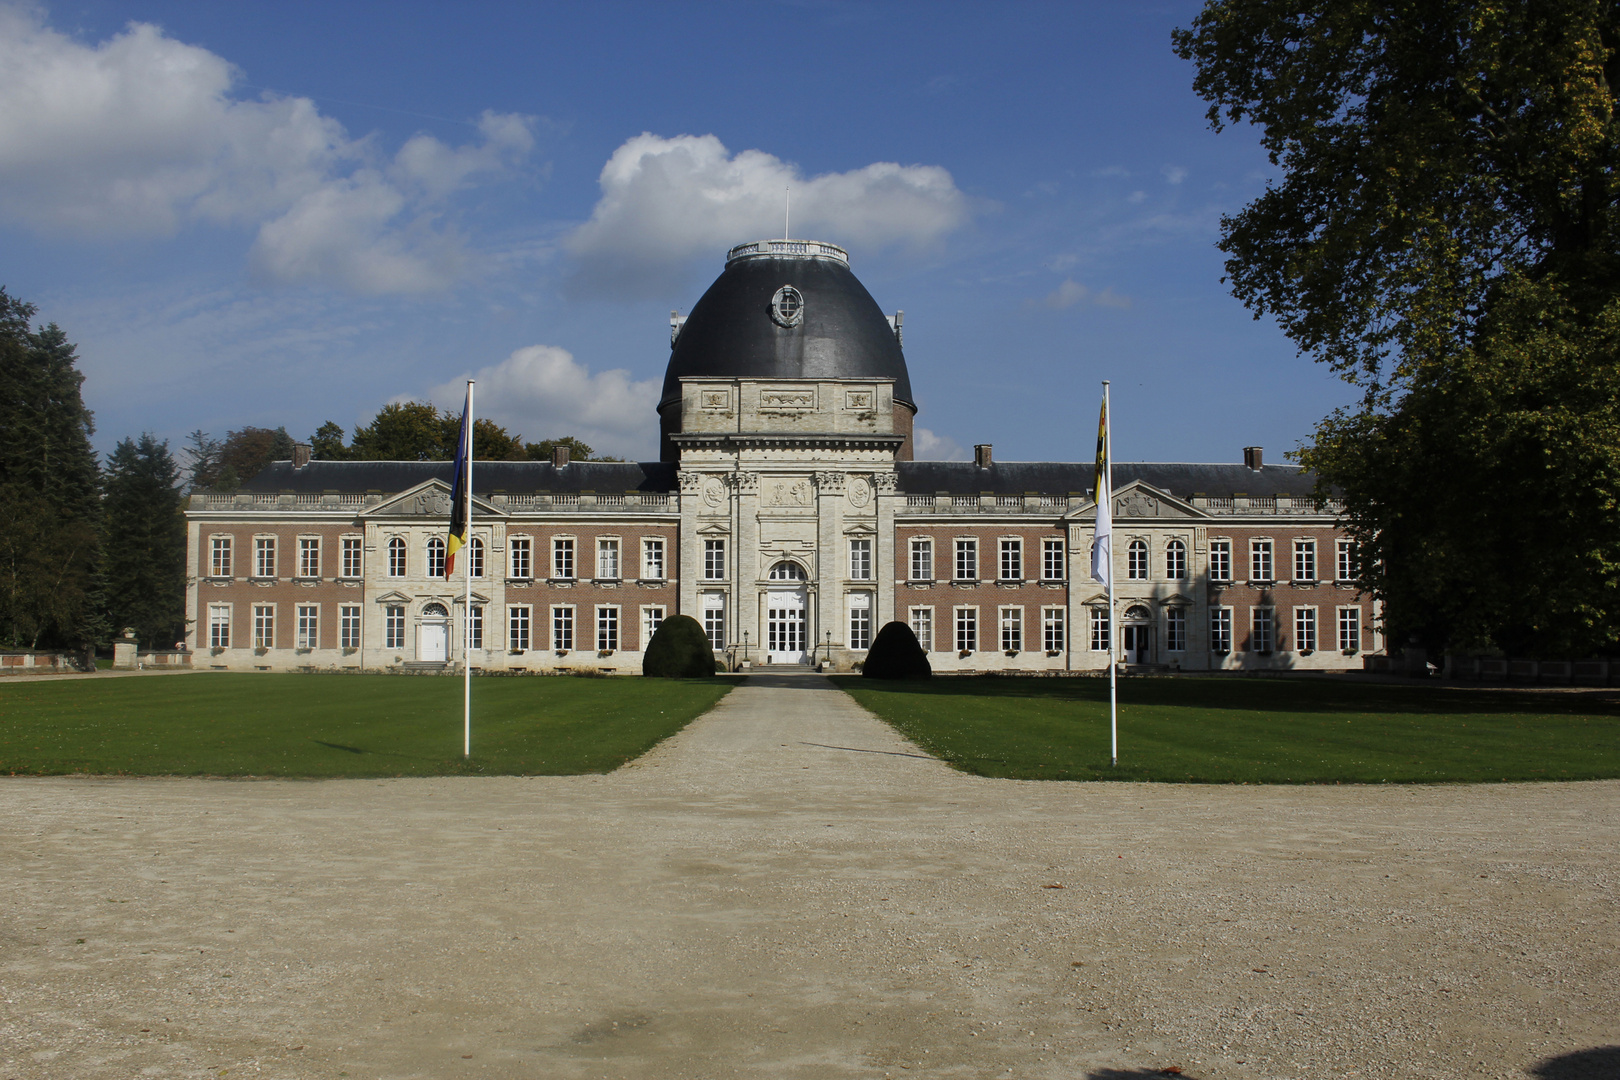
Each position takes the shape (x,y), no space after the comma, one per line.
(1253,457)
(559,456)
(981,455)
(300,454)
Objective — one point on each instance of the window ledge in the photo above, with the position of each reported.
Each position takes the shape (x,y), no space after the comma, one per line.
(1258,583)
(1305,583)
(263,580)
(1009,582)
(652,581)
(607,581)
(921,582)
(519,582)
(964,583)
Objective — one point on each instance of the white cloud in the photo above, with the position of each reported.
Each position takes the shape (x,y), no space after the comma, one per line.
(1174,174)
(138,136)
(926,446)
(1071,292)
(542,392)
(665,201)
(1136,198)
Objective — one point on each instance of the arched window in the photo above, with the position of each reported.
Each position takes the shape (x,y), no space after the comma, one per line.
(1175,561)
(435,556)
(435,611)
(475,557)
(787,571)
(396,557)
(1137,613)
(1137,561)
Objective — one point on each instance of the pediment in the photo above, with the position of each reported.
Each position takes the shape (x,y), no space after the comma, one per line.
(1137,501)
(860,529)
(478,598)
(715,529)
(429,499)
(393,596)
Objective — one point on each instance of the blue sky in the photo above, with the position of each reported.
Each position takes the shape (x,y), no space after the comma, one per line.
(267,214)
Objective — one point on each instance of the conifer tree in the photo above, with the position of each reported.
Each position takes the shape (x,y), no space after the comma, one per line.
(145,542)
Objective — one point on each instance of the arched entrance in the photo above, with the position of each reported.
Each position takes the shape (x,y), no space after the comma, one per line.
(1138,635)
(433,634)
(785,604)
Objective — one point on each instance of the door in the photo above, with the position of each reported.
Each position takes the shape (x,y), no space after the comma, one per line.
(785,626)
(1136,644)
(432,641)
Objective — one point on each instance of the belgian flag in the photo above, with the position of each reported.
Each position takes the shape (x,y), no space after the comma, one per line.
(458,493)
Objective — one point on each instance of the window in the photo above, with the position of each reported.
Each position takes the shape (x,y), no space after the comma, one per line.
(436,556)
(1348,559)
(922,624)
(394,626)
(860,561)
(350,561)
(607,628)
(607,560)
(562,628)
(1220,560)
(1099,630)
(651,619)
(219,626)
(518,564)
(967,560)
(1305,629)
(1052,560)
(1136,561)
(1305,560)
(714,563)
(475,627)
(860,620)
(967,629)
(475,557)
(1220,630)
(219,562)
(922,560)
(1175,629)
(786,571)
(349,626)
(1052,629)
(1260,630)
(396,557)
(309,557)
(652,560)
(517,628)
(264,556)
(1260,567)
(562,559)
(1175,561)
(309,626)
(1012,629)
(1350,629)
(264,626)
(1012,560)
(714,619)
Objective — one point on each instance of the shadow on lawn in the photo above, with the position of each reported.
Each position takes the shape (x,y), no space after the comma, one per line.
(1246,693)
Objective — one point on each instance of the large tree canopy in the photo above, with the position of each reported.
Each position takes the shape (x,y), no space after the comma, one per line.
(1445,233)
(144,571)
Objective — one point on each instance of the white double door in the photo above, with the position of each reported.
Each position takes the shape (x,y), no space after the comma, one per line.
(433,642)
(785,626)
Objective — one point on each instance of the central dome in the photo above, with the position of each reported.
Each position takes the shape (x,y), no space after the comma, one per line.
(787,309)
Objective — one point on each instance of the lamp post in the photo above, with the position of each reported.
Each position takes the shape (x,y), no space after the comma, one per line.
(745,646)
(829,648)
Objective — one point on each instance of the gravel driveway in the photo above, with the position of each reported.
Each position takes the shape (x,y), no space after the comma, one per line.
(788,889)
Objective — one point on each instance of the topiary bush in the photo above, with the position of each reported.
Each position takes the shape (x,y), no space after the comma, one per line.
(896,654)
(679,649)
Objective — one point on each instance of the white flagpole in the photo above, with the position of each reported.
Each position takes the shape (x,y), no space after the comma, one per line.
(1113,643)
(466,625)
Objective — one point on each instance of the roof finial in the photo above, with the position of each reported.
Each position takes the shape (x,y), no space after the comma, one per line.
(787,208)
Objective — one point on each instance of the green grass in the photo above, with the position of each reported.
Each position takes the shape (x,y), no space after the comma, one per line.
(338,725)
(1241,730)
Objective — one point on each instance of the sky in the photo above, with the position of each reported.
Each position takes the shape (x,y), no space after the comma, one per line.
(280,214)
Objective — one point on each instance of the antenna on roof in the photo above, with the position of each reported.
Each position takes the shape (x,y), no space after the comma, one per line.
(787,208)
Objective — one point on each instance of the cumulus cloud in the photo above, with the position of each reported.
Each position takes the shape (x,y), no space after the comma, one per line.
(926,446)
(1071,292)
(665,201)
(139,136)
(542,392)
(1174,174)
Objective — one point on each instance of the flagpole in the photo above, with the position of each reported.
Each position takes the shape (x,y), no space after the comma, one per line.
(466,624)
(1113,644)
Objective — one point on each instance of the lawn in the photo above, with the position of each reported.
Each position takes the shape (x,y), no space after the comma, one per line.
(1247,730)
(338,725)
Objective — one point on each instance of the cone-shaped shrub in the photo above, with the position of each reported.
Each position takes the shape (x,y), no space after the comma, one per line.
(679,649)
(895,654)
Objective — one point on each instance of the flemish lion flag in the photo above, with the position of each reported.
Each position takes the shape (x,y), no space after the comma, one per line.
(458,494)
(1102,548)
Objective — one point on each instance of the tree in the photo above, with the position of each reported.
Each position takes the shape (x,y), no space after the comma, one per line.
(203,466)
(245,453)
(402,431)
(577,450)
(49,487)
(679,649)
(1446,235)
(327,443)
(145,541)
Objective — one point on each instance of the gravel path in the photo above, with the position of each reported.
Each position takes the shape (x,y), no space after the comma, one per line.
(788,889)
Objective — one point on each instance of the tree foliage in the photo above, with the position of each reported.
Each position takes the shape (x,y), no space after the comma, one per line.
(896,654)
(1445,235)
(679,649)
(49,488)
(145,542)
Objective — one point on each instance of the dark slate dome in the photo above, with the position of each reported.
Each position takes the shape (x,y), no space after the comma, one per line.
(839,333)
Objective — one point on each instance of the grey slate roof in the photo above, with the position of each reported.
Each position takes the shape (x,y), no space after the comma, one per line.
(515,477)
(915,477)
